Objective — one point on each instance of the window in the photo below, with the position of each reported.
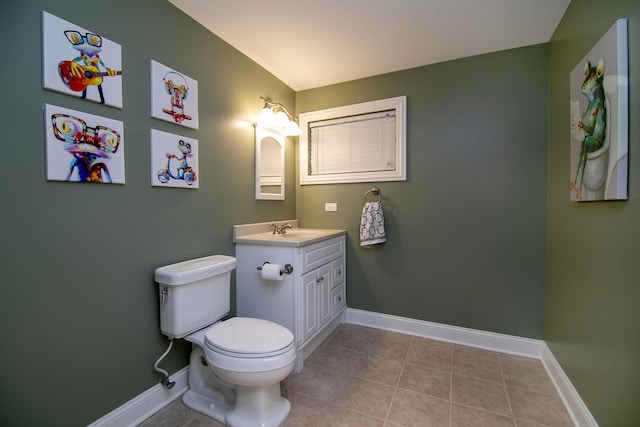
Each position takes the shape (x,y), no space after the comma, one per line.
(354,143)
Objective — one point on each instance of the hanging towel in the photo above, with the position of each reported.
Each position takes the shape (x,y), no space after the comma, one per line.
(372,224)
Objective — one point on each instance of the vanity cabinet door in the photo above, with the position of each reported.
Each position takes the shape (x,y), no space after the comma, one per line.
(308,312)
(316,299)
(324,294)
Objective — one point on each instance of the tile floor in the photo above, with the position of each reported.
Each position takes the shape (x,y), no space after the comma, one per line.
(367,377)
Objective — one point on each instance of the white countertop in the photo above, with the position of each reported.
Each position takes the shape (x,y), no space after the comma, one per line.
(262,234)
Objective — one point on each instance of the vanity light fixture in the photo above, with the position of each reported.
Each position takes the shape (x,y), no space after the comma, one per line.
(276,116)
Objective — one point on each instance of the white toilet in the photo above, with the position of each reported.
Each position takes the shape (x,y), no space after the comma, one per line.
(236,365)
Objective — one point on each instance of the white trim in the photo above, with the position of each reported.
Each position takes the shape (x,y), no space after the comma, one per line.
(454,334)
(146,404)
(538,349)
(578,411)
(399,104)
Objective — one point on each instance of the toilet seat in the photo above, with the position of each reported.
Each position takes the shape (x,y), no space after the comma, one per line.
(244,337)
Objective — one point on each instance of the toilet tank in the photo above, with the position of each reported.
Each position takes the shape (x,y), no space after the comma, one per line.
(194,293)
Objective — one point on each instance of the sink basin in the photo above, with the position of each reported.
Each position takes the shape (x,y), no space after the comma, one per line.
(301,233)
(293,237)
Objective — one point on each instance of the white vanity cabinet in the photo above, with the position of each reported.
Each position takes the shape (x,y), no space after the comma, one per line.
(319,284)
(315,301)
(310,301)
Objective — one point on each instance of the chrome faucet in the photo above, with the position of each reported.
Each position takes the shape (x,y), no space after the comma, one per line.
(279,229)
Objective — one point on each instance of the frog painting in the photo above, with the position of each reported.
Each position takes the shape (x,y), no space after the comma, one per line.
(598,120)
(80,63)
(591,131)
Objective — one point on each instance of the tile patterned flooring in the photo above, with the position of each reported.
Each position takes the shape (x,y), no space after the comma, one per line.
(372,378)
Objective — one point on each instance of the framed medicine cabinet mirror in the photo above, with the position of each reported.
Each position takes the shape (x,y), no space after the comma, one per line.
(363,142)
(269,158)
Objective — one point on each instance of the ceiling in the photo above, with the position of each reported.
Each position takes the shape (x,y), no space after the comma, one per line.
(309,44)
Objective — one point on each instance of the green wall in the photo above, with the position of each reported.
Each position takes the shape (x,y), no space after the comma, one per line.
(591,317)
(466,230)
(468,233)
(79,303)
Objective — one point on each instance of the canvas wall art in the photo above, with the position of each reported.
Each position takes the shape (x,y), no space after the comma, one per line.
(174,96)
(82,147)
(174,160)
(599,120)
(80,63)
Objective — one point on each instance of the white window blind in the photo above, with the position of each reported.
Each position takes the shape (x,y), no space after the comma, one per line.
(363,143)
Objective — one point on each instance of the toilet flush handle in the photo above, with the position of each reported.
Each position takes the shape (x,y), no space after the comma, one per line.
(164,294)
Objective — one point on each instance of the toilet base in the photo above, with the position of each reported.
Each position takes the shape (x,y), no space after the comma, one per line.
(204,405)
(256,409)
(234,406)
(207,394)
(259,406)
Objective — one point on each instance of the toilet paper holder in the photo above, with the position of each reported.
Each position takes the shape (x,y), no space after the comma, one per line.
(286,269)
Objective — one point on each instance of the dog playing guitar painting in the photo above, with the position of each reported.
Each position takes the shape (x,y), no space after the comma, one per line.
(85,70)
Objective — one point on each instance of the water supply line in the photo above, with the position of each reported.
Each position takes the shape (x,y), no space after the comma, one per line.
(165,379)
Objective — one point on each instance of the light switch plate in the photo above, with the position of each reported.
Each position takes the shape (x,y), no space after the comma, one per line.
(330,207)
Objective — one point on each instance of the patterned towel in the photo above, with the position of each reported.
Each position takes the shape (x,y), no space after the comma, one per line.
(372,224)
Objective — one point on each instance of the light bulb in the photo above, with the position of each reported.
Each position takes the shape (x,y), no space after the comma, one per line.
(266,116)
(293,129)
(280,120)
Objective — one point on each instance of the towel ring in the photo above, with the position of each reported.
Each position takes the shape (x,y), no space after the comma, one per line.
(374,191)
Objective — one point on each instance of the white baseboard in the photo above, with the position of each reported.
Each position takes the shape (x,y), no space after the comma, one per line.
(576,408)
(149,402)
(454,334)
(146,404)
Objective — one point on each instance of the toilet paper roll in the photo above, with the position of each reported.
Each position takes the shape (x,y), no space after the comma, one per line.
(272,272)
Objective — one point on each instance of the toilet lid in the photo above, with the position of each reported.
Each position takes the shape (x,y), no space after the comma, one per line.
(248,337)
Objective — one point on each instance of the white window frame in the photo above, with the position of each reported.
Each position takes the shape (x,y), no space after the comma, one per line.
(398,174)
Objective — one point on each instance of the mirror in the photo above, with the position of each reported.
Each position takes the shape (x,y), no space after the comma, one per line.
(269,164)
